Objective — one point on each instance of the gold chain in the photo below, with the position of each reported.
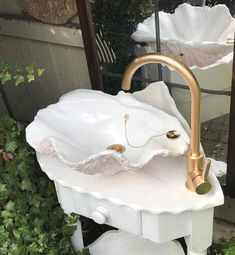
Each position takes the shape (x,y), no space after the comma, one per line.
(172,134)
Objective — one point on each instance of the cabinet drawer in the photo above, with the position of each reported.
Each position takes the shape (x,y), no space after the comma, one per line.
(116,216)
(100,210)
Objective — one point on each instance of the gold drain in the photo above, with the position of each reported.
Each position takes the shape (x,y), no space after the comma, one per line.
(173,134)
(117,147)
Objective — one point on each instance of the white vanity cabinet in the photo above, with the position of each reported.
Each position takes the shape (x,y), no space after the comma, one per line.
(151,207)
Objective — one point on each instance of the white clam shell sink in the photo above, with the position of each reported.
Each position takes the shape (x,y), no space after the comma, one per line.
(205,45)
(84,123)
(206,39)
(152,203)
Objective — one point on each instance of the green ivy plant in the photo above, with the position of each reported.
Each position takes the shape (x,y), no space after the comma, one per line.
(18,73)
(225,247)
(228,246)
(84,252)
(31,220)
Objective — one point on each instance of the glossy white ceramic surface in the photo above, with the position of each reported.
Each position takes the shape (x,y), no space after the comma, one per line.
(205,40)
(152,204)
(119,242)
(80,127)
(158,188)
(205,44)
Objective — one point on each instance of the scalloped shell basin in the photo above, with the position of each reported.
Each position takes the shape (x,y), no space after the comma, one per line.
(197,36)
(84,123)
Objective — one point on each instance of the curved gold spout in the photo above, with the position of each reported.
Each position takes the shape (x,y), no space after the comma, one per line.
(196,177)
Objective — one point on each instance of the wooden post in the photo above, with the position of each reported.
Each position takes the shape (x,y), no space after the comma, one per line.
(86,23)
(5,104)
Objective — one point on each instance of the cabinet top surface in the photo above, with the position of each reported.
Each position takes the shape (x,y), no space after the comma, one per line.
(159,188)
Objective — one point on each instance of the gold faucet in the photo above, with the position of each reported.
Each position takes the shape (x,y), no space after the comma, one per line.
(198,166)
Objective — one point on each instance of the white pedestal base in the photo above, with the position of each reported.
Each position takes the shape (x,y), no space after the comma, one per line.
(119,242)
(201,253)
(77,238)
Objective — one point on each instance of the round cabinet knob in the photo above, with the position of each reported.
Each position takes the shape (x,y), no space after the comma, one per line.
(100,215)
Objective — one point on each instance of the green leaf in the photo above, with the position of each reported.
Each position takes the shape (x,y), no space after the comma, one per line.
(10,206)
(6,214)
(7,123)
(26,185)
(23,169)
(54,251)
(11,145)
(40,71)
(6,65)
(228,246)
(30,69)
(36,200)
(85,251)
(5,77)
(30,77)
(19,79)
(8,223)
(3,235)
(72,218)
(17,234)
(19,69)
(3,188)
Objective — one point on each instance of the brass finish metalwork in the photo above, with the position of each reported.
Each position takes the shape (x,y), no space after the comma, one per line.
(196,176)
(117,147)
(172,134)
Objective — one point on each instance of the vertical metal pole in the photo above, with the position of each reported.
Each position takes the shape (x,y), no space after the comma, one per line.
(88,34)
(230,178)
(197,2)
(158,41)
(203,3)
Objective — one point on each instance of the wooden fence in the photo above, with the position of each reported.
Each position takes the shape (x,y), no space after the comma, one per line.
(59,50)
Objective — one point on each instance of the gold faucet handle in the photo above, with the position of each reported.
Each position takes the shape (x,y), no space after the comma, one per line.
(207,168)
(202,186)
(200,182)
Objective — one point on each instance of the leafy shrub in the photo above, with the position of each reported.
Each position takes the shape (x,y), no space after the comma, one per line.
(225,247)
(31,220)
(228,246)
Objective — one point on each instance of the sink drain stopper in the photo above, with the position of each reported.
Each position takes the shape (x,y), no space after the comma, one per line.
(117,147)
